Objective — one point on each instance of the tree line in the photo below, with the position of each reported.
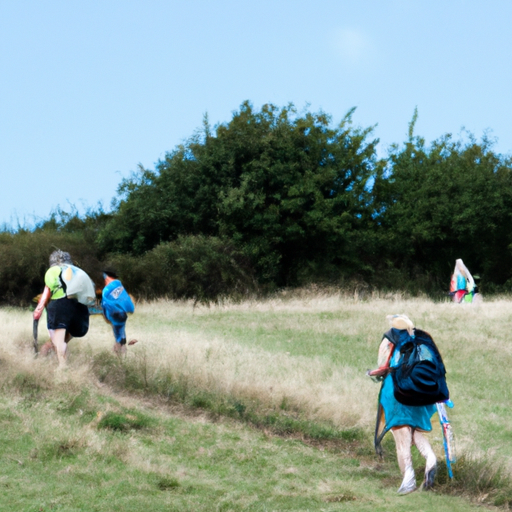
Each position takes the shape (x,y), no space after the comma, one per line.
(279,198)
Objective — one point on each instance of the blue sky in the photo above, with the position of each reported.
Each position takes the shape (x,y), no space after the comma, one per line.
(91,89)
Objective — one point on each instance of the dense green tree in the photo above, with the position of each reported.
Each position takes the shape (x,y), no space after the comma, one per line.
(298,204)
(289,190)
(452,199)
(282,198)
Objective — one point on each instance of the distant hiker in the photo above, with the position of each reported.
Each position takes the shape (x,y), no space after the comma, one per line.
(462,284)
(406,422)
(67,292)
(116,304)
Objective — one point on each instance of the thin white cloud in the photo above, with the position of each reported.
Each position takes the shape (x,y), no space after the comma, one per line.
(352,45)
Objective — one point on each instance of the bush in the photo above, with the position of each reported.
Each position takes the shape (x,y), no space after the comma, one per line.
(205,269)
(485,480)
(124,422)
(24,261)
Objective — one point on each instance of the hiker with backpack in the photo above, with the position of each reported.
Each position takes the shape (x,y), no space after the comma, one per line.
(67,292)
(413,381)
(462,285)
(116,304)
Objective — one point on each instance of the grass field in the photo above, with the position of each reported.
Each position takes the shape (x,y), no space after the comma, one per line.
(257,406)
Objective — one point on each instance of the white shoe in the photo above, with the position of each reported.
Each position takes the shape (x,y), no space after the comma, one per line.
(409,482)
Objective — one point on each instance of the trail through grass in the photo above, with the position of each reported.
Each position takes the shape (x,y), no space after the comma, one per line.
(72,441)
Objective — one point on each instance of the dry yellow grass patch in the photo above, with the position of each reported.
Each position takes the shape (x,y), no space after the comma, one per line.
(474,342)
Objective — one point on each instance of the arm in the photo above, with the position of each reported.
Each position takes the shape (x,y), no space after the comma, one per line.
(385,353)
(43,301)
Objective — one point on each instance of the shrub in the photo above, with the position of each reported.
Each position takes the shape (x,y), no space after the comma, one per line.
(205,269)
(123,422)
(485,480)
(24,261)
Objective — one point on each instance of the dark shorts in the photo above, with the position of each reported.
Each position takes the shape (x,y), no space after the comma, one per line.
(68,314)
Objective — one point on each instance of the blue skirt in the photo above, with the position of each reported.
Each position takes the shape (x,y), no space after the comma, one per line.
(397,414)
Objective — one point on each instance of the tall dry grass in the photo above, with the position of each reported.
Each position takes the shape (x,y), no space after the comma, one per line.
(301,355)
(304,354)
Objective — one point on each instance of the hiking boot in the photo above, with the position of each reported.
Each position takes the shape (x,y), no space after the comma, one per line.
(430,475)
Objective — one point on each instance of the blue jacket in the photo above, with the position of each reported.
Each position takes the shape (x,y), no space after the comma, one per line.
(116,303)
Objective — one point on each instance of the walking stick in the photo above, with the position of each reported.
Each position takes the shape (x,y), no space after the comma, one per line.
(34,332)
(448,437)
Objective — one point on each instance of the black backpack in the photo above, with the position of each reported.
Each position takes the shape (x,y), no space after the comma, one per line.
(420,376)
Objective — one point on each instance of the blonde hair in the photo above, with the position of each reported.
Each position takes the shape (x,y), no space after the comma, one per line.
(401,322)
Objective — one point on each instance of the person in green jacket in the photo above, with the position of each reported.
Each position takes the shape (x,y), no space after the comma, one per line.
(66,317)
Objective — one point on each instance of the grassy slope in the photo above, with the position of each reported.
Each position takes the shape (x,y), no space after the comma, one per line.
(69,444)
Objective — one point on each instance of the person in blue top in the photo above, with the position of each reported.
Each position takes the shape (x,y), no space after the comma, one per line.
(116,304)
(406,422)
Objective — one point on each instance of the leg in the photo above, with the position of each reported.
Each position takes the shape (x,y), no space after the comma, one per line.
(60,338)
(120,347)
(403,441)
(67,318)
(425,449)
(120,337)
(46,348)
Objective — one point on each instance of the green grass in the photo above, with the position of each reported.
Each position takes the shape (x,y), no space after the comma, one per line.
(54,460)
(257,406)
(474,344)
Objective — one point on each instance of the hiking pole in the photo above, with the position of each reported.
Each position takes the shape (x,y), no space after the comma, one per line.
(34,333)
(44,298)
(448,437)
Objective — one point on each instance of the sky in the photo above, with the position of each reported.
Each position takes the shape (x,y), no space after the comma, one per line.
(90,90)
